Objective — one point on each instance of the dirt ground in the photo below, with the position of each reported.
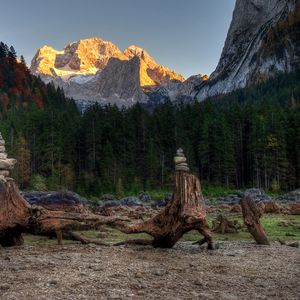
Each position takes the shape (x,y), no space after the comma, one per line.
(237,270)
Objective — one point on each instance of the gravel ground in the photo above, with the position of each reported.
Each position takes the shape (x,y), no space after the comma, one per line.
(237,270)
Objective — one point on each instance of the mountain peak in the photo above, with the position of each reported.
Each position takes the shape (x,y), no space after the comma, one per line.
(81,65)
(262,40)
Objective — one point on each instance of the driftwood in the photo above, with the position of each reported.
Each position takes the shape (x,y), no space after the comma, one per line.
(84,240)
(251,215)
(17,217)
(185,212)
(223,225)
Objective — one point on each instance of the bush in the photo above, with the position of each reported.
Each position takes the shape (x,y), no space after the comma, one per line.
(38,183)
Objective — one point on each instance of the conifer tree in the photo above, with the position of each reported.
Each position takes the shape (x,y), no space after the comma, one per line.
(12,54)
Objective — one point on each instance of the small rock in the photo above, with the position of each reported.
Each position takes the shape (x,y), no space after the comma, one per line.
(4,287)
(53,282)
(138,275)
(130,295)
(290,234)
(131,201)
(294,244)
(282,242)
(97,269)
(198,282)
(160,272)
(193,264)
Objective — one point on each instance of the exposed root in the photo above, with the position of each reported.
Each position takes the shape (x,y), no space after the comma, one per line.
(84,240)
(141,242)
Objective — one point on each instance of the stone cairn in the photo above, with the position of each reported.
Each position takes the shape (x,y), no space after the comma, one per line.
(180,161)
(6,164)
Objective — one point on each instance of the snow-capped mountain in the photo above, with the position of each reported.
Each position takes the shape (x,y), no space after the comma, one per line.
(94,70)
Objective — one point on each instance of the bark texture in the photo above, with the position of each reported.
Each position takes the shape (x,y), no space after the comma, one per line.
(251,215)
(223,225)
(14,214)
(17,217)
(185,212)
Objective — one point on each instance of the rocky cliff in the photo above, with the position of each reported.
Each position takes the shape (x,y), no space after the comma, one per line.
(263,39)
(94,70)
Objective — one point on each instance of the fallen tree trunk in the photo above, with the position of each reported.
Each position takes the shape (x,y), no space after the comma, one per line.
(223,225)
(84,240)
(185,212)
(251,215)
(17,217)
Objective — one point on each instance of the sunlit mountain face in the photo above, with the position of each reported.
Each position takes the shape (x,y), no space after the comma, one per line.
(97,70)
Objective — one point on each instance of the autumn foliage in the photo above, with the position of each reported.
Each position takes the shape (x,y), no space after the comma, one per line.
(17,86)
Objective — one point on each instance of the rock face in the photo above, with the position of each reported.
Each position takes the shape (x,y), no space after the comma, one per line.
(263,39)
(83,57)
(94,70)
(6,164)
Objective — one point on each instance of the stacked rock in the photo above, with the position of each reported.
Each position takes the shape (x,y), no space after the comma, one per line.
(6,164)
(180,161)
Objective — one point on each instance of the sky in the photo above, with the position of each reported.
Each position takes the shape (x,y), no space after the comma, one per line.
(185,35)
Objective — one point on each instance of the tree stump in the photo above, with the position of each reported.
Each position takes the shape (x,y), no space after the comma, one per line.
(251,215)
(185,212)
(14,214)
(17,217)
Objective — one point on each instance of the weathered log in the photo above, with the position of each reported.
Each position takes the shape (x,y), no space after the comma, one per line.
(251,215)
(84,240)
(223,225)
(17,217)
(185,212)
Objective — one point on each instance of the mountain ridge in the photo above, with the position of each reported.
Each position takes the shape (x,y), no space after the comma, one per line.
(262,40)
(87,70)
(247,56)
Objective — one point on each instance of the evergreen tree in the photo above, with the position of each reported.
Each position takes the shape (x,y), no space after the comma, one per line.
(3,50)
(12,54)
(23,60)
(23,168)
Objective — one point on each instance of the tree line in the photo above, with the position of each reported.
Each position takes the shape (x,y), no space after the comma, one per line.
(250,137)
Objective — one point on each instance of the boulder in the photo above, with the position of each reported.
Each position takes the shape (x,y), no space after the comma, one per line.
(144,197)
(131,201)
(163,202)
(230,199)
(290,197)
(107,197)
(58,201)
(253,192)
(113,203)
(256,194)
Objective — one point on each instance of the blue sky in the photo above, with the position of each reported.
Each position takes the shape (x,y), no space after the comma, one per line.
(187,36)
